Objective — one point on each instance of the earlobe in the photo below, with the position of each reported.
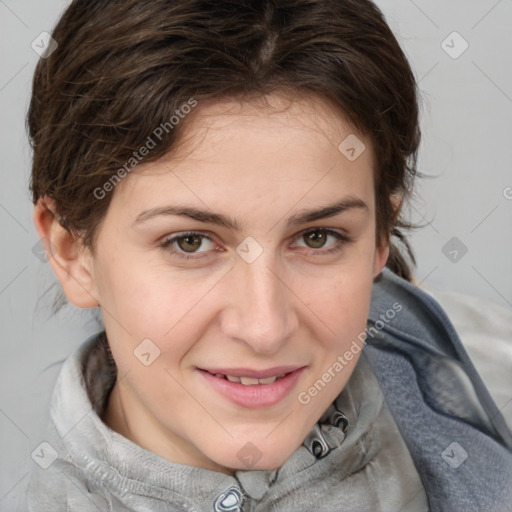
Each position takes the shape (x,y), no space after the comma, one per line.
(70,261)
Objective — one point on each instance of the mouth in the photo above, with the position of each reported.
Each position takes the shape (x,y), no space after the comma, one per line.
(253,388)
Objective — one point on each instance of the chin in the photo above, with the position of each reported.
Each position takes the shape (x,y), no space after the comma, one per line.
(254,456)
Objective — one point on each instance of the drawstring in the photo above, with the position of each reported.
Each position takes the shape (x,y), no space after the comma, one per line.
(315,442)
(229,501)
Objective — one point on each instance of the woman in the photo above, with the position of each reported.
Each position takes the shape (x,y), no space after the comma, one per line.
(224,181)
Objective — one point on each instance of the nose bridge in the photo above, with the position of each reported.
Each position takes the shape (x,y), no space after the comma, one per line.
(261,314)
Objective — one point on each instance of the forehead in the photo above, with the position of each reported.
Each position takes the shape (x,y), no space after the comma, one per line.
(255,146)
(315,115)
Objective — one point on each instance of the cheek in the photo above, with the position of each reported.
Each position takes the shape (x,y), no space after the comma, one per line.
(344,306)
(147,302)
(341,300)
(141,299)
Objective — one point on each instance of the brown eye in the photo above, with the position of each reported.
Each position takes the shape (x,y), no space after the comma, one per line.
(189,243)
(315,239)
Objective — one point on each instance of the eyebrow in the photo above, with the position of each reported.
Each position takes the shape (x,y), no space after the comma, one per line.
(302,217)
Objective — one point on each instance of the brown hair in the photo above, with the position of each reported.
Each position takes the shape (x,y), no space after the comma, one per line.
(122,68)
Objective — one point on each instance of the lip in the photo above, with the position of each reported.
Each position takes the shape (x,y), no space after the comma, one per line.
(259,395)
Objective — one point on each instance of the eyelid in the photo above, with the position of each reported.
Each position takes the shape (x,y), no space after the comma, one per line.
(341,236)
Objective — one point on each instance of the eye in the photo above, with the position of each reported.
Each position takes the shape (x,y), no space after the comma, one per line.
(317,239)
(187,243)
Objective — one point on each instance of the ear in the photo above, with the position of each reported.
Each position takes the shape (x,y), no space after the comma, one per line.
(71,262)
(381,258)
(383,250)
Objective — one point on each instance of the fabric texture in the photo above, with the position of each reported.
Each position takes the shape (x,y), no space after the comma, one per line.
(485,329)
(459,440)
(421,427)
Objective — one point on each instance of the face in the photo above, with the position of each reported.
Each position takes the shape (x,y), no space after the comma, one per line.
(247,255)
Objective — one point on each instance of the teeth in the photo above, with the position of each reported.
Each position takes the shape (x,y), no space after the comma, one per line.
(249,381)
(268,380)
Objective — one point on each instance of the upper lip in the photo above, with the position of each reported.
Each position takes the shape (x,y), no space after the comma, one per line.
(255,374)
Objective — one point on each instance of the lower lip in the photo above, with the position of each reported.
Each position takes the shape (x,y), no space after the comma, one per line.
(259,395)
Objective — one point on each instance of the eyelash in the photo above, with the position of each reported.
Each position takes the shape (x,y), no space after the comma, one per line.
(342,240)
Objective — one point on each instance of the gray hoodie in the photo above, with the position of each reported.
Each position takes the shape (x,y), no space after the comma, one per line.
(414,429)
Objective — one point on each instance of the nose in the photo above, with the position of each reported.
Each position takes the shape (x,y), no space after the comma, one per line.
(260,311)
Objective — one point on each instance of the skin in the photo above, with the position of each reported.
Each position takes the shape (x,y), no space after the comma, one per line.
(258,163)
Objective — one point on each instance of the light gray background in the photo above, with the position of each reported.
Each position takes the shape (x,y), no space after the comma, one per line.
(466,151)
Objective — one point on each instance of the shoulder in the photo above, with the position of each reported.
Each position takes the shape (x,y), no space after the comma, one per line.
(439,400)
(485,330)
(408,323)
